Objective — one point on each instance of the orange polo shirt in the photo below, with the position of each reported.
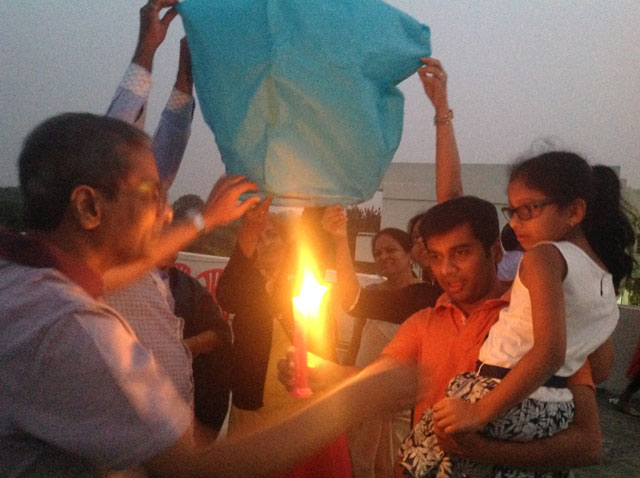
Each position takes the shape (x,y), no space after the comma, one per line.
(444,344)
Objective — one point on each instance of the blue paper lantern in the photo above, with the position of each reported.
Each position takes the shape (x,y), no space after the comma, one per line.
(301,95)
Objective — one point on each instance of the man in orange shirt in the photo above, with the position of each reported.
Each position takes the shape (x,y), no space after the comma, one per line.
(444,341)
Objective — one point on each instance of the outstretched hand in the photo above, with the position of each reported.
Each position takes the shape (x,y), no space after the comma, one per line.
(254,222)
(334,221)
(287,370)
(434,81)
(256,217)
(153,30)
(454,415)
(222,206)
(322,372)
(461,444)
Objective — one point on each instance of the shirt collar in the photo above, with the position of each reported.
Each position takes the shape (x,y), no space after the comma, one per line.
(444,301)
(34,251)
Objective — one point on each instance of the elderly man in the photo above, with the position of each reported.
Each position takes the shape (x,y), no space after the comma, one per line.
(80,394)
(161,314)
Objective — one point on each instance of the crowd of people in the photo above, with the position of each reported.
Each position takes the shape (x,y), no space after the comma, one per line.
(115,363)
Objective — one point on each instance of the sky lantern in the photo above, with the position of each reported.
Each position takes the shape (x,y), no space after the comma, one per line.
(302,97)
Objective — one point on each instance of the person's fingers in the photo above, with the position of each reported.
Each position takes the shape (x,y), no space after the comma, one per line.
(291,351)
(431,61)
(451,428)
(168,17)
(284,367)
(436,72)
(439,405)
(330,221)
(153,7)
(247,204)
(160,4)
(339,221)
(286,370)
(242,187)
(263,207)
(333,212)
(225,182)
(230,180)
(447,424)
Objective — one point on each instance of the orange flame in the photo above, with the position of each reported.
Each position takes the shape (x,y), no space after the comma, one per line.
(308,303)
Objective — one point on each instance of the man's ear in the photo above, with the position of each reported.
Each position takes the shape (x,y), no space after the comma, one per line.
(86,206)
(496,251)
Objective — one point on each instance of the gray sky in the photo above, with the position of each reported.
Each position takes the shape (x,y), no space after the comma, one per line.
(519,72)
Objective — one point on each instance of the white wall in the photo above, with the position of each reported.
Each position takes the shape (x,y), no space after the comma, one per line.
(625,339)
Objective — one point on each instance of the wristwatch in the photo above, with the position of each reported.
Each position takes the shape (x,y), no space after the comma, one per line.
(196,218)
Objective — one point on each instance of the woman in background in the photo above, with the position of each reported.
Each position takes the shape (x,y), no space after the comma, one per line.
(373,444)
(391,249)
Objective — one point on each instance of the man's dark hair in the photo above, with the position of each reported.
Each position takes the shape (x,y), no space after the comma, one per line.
(70,150)
(481,216)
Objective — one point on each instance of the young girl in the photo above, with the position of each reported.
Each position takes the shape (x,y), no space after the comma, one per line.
(567,217)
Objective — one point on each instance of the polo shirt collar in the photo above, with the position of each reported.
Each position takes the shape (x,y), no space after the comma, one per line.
(444,301)
(32,250)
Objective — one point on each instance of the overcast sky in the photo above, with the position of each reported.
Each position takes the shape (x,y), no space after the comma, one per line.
(519,72)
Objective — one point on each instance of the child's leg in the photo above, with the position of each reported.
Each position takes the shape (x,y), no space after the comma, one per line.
(420,455)
(530,420)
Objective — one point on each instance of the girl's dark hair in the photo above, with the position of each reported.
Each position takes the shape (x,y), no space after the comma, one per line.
(564,177)
(509,240)
(398,235)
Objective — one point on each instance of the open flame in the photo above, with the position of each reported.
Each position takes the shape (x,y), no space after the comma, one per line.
(308,311)
(309,300)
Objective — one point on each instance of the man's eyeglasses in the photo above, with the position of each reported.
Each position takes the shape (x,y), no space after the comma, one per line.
(525,211)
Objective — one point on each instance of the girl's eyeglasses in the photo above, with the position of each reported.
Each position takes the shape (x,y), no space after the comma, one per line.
(525,212)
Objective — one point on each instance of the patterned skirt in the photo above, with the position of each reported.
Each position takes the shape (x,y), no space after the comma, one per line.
(420,455)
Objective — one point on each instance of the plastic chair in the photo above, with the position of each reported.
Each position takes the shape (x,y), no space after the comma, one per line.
(182,267)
